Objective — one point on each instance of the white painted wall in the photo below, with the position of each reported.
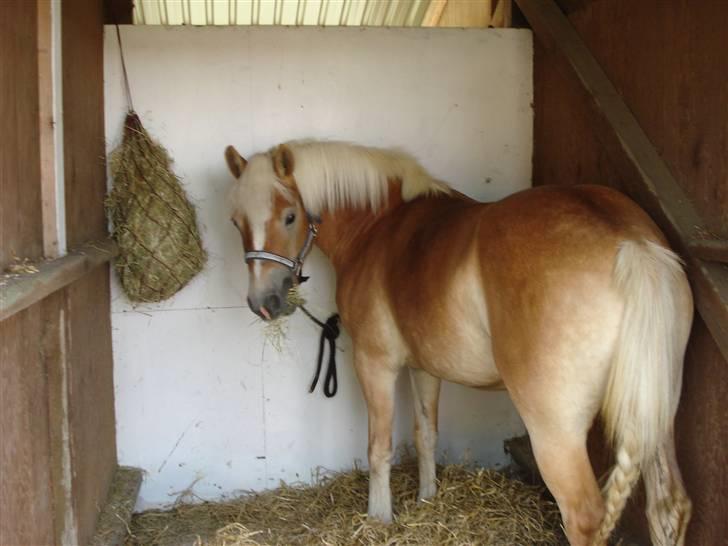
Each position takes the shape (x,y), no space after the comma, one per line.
(200,400)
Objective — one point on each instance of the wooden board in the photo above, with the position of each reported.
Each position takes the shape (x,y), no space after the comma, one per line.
(668,60)
(46,131)
(90,362)
(21,231)
(476,13)
(701,430)
(91,411)
(91,398)
(57,447)
(23,290)
(26,493)
(83,121)
(663,59)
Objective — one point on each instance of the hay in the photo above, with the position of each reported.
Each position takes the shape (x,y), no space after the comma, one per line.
(21,266)
(294,296)
(154,224)
(471,507)
(276,331)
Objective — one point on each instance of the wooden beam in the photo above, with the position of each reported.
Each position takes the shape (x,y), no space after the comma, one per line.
(654,188)
(434,13)
(120,12)
(48,190)
(502,14)
(711,250)
(18,292)
(112,528)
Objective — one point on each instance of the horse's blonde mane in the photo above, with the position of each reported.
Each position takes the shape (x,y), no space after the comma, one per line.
(333,174)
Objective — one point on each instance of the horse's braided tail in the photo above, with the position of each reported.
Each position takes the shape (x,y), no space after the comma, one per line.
(646,372)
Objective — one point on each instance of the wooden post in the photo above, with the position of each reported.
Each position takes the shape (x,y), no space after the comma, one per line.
(434,13)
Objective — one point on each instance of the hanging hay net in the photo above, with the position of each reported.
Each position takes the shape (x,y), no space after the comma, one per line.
(154,224)
(471,507)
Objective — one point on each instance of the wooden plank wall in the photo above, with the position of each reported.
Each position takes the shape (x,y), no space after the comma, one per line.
(25,454)
(57,428)
(20,227)
(91,405)
(669,61)
(26,509)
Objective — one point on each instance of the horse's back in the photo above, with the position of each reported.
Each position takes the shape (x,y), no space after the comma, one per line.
(468,287)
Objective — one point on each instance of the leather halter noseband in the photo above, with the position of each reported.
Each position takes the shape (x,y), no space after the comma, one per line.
(296,264)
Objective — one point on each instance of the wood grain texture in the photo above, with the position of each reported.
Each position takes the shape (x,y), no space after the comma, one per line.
(475,13)
(701,433)
(21,231)
(91,396)
(26,491)
(46,131)
(83,120)
(58,450)
(668,60)
(90,362)
(22,291)
(663,59)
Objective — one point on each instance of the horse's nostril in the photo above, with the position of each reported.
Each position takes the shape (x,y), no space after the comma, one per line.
(250,304)
(273,303)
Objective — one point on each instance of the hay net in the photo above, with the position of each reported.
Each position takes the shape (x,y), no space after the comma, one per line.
(153,222)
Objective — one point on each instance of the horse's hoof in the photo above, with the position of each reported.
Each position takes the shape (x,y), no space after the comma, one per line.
(381,518)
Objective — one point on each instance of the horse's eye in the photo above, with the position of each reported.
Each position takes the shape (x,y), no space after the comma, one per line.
(234,222)
(290,219)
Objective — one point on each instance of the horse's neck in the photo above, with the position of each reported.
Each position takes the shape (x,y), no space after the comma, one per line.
(342,230)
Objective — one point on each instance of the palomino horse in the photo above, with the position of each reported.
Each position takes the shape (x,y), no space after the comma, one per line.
(569,298)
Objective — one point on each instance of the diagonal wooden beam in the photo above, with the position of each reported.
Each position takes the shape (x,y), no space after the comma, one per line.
(654,187)
(18,292)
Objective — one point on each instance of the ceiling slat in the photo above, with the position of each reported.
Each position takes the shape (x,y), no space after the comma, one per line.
(307,12)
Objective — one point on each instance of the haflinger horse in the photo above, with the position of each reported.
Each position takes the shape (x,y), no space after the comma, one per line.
(568,297)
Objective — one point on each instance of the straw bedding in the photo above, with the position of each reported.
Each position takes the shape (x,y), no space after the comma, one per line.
(471,507)
(154,224)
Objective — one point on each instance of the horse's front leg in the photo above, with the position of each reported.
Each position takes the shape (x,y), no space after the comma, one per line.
(377,377)
(426,391)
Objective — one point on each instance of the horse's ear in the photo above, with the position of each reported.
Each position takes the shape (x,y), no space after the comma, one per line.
(235,161)
(283,162)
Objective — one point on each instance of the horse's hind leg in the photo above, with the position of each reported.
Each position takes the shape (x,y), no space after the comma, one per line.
(377,378)
(558,412)
(668,506)
(564,464)
(426,392)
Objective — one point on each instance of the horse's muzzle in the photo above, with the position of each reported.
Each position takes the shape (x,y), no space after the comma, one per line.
(273,303)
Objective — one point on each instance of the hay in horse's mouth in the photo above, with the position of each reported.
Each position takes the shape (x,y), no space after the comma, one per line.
(276,330)
(471,507)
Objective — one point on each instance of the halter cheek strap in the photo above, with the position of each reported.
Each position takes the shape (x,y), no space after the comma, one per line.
(296,264)
(330,329)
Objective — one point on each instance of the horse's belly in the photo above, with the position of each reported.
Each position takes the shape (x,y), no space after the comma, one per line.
(462,354)
(449,335)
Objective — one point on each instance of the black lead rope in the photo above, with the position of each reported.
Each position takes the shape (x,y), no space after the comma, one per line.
(329,331)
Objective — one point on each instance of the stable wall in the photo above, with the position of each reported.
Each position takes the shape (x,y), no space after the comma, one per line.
(204,405)
(57,434)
